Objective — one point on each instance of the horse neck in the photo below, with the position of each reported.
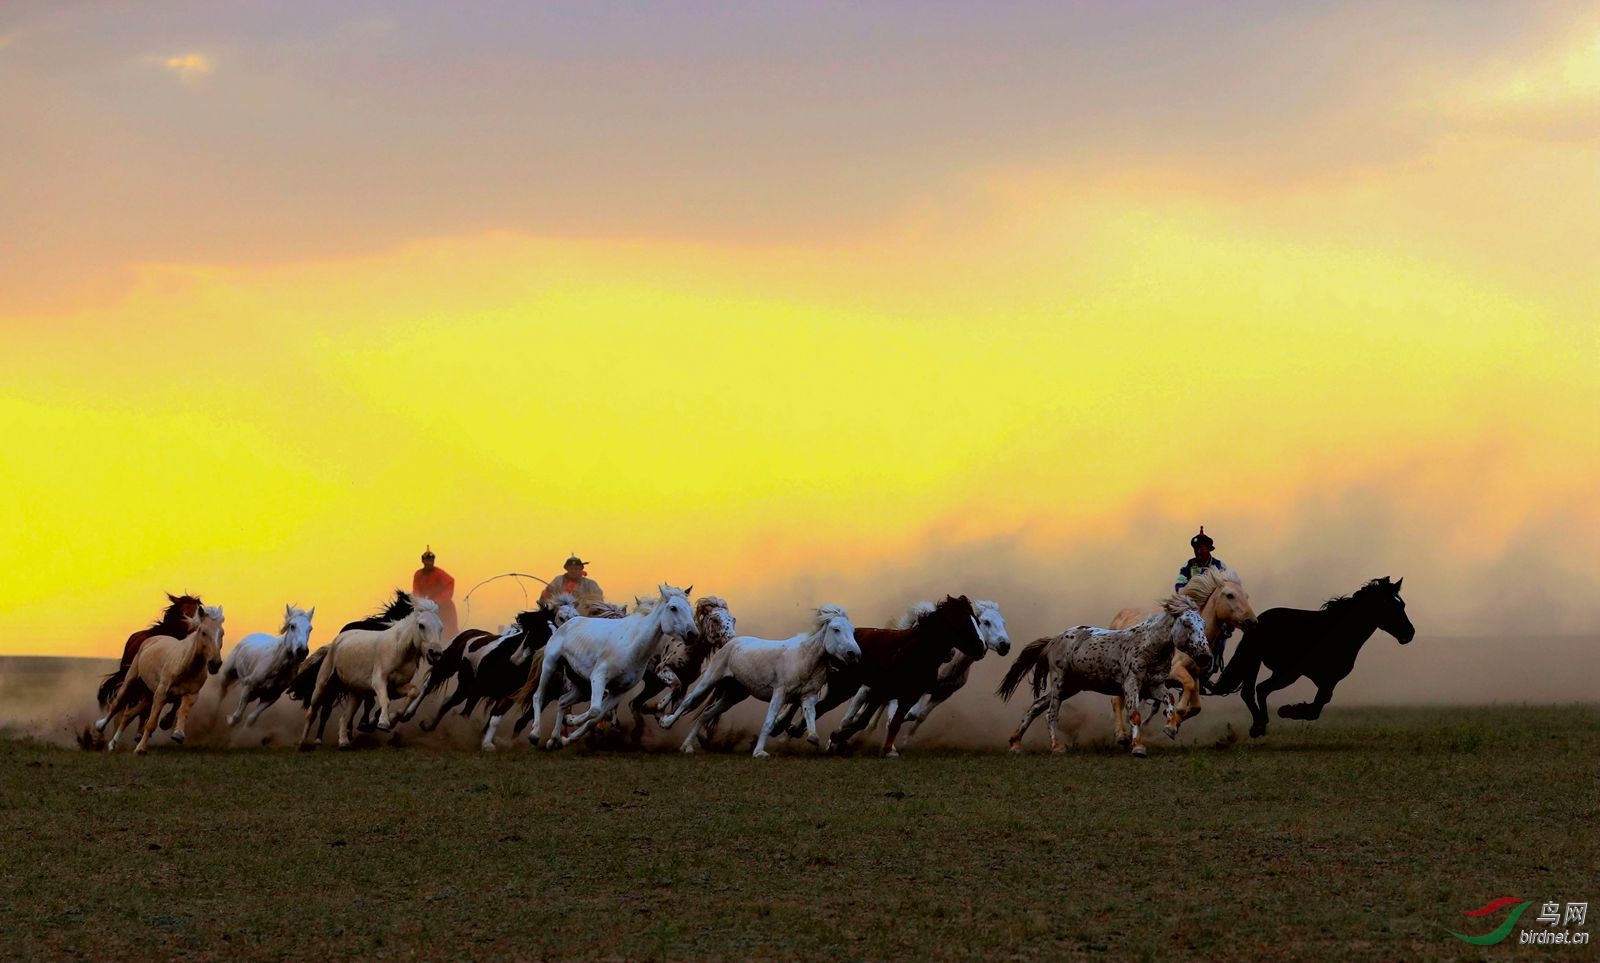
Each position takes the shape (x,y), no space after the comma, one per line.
(646,639)
(1215,624)
(1159,637)
(929,639)
(1353,625)
(189,647)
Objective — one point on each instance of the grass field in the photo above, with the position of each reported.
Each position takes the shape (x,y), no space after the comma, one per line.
(1362,836)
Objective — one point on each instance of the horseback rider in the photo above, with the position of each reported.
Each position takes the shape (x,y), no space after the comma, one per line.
(432,582)
(574,581)
(1202,560)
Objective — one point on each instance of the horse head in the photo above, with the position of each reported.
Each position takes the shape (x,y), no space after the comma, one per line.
(713,621)
(429,627)
(955,614)
(297,629)
(562,608)
(1188,630)
(180,609)
(673,610)
(207,624)
(992,626)
(838,635)
(1388,608)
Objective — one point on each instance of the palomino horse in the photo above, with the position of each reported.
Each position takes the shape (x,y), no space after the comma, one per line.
(793,670)
(174,622)
(611,655)
(1321,645)
(305,678)
(167,667)
(900,665)
(678,662)
(953,674)
(265,664)
(366,663)
(1224,606)
(1133,661)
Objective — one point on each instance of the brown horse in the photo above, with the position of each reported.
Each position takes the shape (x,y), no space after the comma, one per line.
(173,622)
(1225,606)
(167,667)
(900,665)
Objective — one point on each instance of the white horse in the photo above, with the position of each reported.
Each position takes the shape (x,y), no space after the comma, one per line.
(1133,663)
(782,672)
(265,664)
(952,675)
(374,664)
(610,655)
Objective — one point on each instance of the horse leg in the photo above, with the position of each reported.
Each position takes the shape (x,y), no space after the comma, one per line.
(180,732)
(849,727)
(652,685)
(809,707)
(720,701)
(777,702)
(919,713)
(598,708)
(346,732)
(1030,714)
(456,698)
(157,700)
(1274,682)
(262,705)
(1120,710)
(1131,699)
(897,717)
(1188,704)
(1309,710)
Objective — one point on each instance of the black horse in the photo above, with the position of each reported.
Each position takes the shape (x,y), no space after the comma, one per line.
(1321,645)
(497,676)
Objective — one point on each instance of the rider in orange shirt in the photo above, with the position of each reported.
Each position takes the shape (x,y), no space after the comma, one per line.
(432,582)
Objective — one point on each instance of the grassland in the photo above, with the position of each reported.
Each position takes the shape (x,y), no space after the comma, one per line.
(1362,836)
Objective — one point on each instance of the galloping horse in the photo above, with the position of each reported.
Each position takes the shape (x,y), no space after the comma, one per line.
(900,665)
(167,667)
(1133,661)
(610,655)
(488,666)
(266,664)
(1224,606)
(1321,645)
(953,674)
(174,622)
(678,662)
(366,663)
(305,678)
(782,672)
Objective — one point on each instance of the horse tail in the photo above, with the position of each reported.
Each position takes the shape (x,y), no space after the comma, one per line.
(304,685)
(1245,662)
(109,686)
(1030,659)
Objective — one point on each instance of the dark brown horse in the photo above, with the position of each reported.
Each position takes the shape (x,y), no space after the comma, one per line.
(899,666)
(173,622)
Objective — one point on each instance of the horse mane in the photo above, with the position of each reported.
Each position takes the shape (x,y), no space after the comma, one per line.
(1373,587)
(826,614)
(172,617)
(1177,603)
(916,613)
(981,606)
(611,610)
(394,609)
(1200,588)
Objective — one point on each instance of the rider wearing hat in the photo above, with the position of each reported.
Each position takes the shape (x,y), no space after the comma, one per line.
(1203,559)
(433,582)
(574,581)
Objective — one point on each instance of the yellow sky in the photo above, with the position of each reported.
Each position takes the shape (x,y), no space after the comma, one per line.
(1045,352)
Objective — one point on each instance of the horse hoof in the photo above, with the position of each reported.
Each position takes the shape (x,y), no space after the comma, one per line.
(488,747)
(308,747)
(1058,750)
(178,737)
(386,727)
(1169,732)
(814,740)
(556,742)
(1016,749)
(760,754)
(140,750)
(1256,732)
(686,750)
(426,725)
(1124,741)
(892,754)
(345,746)
(1140,751)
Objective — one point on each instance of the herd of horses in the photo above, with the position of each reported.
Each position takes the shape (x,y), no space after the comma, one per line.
(682,658)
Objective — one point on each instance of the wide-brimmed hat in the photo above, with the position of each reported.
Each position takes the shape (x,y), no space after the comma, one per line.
(571,559)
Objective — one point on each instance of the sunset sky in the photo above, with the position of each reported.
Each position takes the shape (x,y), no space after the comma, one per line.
(797,302)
